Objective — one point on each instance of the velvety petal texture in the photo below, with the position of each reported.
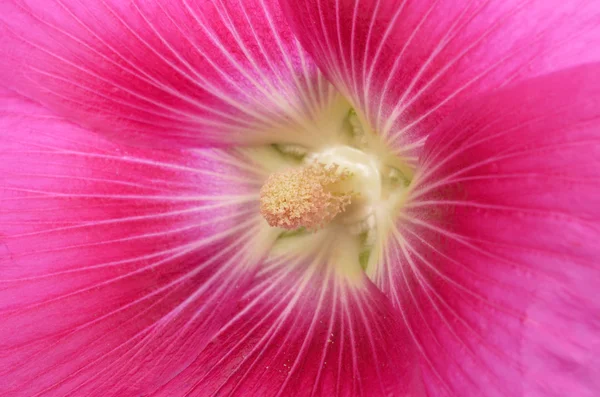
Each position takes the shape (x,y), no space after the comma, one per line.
(494,259)
(117,265)
(406,63)
(184,72)
(307,327)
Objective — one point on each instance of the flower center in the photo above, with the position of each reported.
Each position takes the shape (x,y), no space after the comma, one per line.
(365,180)
(336,180)
(308,197)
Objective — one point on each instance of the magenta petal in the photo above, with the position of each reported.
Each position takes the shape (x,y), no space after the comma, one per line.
(304,331)
(497,248)
(405,64)
(116,264)
(191,73)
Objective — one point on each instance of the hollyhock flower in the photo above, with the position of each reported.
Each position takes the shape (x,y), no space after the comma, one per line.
(299,197)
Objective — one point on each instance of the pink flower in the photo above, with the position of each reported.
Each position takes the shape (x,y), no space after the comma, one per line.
(432,167)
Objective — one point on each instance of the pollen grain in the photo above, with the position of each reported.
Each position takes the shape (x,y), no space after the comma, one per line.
(308,197)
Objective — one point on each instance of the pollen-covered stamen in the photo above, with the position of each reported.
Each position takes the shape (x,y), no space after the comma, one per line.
(308,197)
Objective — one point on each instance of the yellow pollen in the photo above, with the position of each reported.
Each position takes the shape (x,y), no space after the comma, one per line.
(308,197)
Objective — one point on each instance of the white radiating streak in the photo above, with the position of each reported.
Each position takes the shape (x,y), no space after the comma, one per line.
(228,262)
(406,274)
(397,293)
(244,84)
(183,215)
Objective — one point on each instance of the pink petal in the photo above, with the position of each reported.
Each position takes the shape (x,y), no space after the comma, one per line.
(405,64)
(116,264)
(497,249)
(190,73)
(305,330)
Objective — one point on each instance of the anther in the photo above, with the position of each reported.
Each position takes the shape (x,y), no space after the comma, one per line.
(308,197)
